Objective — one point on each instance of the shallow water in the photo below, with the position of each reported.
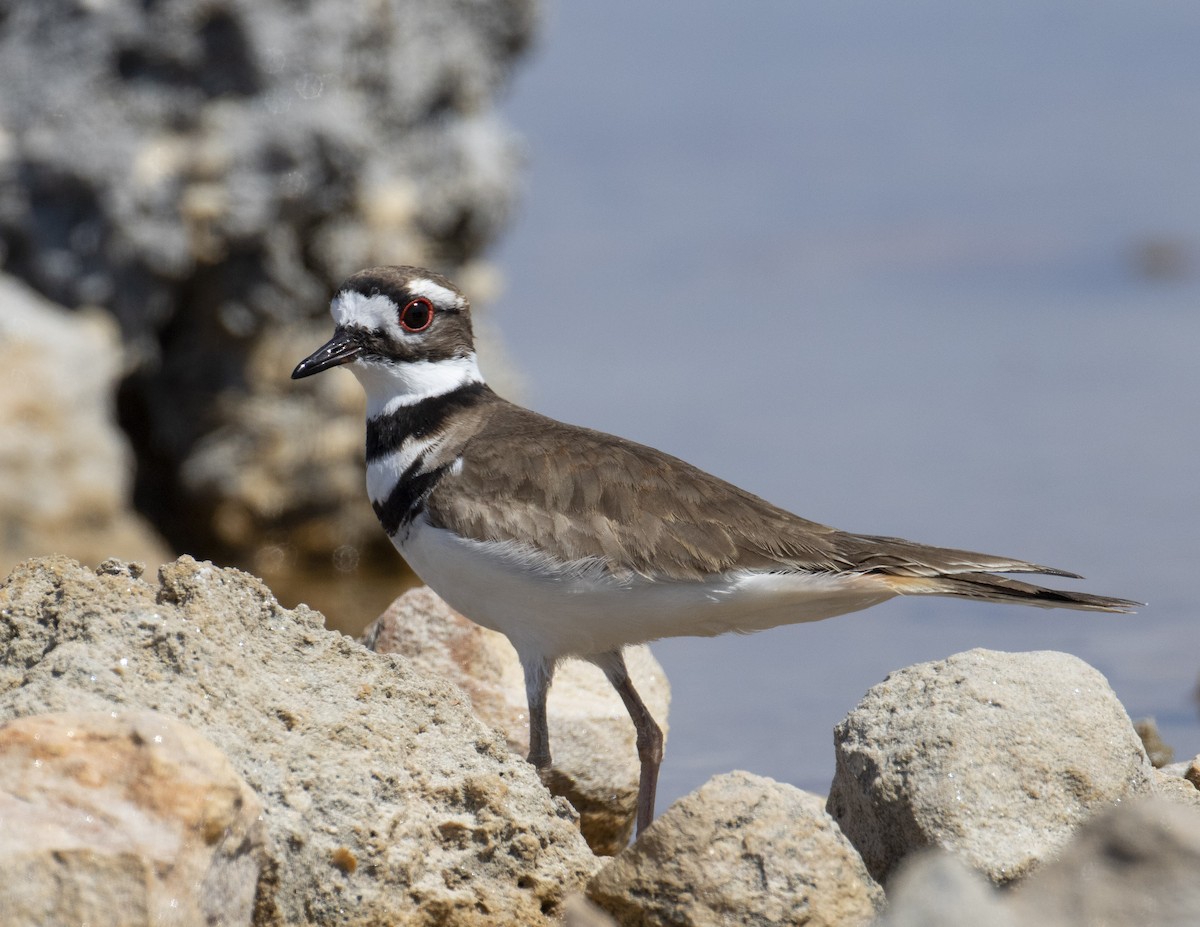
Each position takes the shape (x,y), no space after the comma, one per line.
(931,271)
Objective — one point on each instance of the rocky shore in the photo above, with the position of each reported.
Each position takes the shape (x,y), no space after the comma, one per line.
(181,749)
(177,748)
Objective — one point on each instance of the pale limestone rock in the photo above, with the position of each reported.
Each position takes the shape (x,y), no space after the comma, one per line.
(385,800)
(997,757)
(741,849)
(125,818)
(591,736)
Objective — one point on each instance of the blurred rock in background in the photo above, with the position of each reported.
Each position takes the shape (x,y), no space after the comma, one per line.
(66,483)
(206,173)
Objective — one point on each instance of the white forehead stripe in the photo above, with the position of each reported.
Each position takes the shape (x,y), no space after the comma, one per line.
(350,307)
(435,293)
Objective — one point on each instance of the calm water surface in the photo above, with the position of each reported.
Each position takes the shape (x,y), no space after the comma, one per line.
(931,271)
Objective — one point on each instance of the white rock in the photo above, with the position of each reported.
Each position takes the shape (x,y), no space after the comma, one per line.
(741,849)
(997,757)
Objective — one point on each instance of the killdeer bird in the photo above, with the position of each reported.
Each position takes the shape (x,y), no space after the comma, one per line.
(576,543)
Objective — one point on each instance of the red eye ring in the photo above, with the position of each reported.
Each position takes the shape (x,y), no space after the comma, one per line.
(417,315)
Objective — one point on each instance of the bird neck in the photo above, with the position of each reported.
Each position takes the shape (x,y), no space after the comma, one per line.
(391,386)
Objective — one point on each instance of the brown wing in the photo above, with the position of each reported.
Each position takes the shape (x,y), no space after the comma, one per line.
(580,493)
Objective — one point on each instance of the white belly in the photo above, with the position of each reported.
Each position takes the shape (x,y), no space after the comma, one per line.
(579,610)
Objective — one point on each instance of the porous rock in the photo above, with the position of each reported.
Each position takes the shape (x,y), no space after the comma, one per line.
(995,756)
(208,173)
(741,849)
(591,736)
(66,469)
(130,818)
(1134,865)
(386,800)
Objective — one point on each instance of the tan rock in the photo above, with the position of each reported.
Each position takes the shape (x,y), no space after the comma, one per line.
(742,849)
(591,737)
(386,801)
(124,818)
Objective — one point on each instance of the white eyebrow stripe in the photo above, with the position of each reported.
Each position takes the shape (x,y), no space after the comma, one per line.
(350,307)
(435,293)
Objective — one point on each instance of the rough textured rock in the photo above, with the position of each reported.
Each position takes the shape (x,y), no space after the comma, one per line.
(741,849)
(997,757)
(66,470)
(936,889)
(133,818)
(592,739)
(1134,865)
(207,172)
(386,800)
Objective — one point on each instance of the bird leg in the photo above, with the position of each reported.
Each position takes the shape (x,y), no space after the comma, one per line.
(649,734)
(538,674)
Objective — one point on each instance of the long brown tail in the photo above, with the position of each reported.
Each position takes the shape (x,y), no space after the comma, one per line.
(992,588)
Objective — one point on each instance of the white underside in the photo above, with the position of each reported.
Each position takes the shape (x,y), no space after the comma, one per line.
(550,610)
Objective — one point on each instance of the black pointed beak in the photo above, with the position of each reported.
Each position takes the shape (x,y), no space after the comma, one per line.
(340,349)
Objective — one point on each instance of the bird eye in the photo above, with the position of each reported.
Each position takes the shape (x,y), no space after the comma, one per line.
(417,315)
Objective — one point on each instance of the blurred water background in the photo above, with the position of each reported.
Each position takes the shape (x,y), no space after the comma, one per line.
(929,269)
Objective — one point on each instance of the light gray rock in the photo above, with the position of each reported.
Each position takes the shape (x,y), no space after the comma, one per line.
(125,818)
(742,849)
(997,757)
(592,739)
(66,469)
(386,800)
(1134,865)
(208,172)
(934,888)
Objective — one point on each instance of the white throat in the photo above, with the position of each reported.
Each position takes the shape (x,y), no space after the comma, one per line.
(390,386)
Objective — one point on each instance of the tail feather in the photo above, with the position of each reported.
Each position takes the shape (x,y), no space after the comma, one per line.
(875,553)
(992,588)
